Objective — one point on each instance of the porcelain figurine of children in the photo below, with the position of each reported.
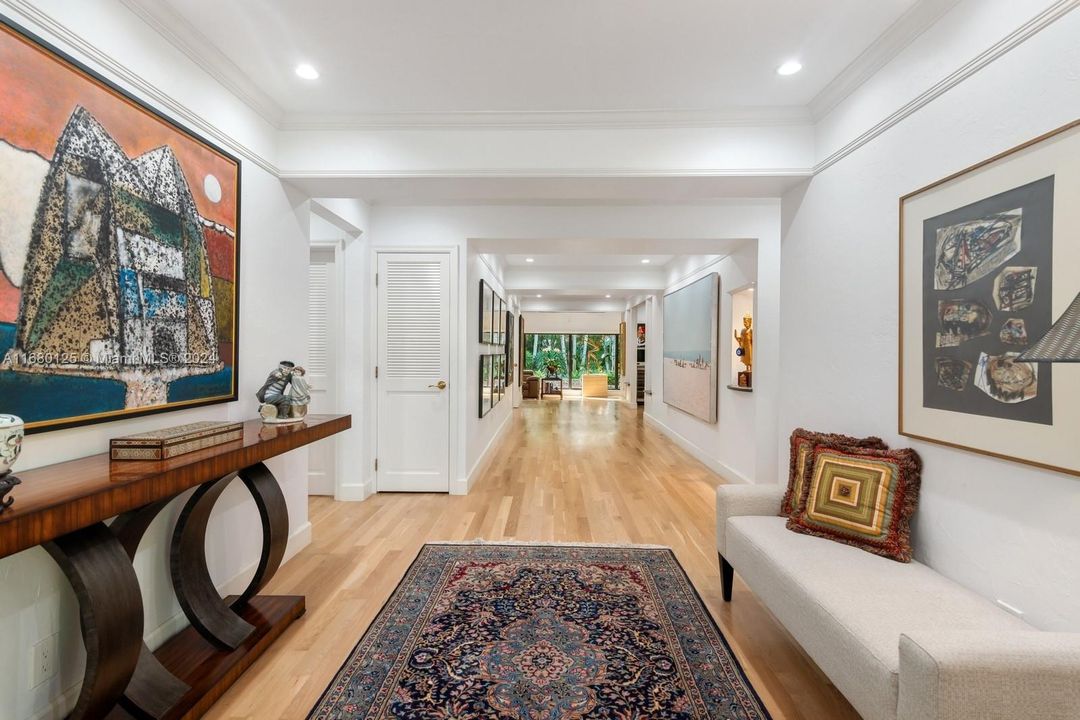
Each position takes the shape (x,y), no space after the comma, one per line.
(284,395)
(11,437)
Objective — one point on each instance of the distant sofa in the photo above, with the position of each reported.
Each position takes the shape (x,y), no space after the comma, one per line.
(530,386)
(900,641)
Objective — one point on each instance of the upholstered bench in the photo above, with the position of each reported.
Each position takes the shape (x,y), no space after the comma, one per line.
(899,640)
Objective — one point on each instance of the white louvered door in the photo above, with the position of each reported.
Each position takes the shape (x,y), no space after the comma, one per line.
(323,306)
(413,372)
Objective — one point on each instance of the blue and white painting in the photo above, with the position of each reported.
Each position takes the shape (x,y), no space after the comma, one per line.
(690,352)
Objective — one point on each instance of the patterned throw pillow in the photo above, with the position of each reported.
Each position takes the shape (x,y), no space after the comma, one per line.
(802,443)
(860,496)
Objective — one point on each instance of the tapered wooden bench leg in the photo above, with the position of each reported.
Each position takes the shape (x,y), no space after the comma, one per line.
(727,577)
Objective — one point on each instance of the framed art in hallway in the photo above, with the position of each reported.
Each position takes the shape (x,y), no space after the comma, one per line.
(509,370)
(119,249)
(484,394)
(500,321)
(690,347)
(487,298)
(622,349)
(989,260)
(500,377)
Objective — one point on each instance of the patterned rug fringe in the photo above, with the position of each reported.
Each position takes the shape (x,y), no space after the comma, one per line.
(538,543)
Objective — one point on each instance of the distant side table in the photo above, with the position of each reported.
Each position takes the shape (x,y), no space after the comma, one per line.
(551,386)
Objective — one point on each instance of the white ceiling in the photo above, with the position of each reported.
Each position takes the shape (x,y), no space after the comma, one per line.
(629,247)
(584,261)
(492,56)
(594,274)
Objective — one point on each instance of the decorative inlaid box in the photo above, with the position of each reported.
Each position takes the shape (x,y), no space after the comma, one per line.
(170,442)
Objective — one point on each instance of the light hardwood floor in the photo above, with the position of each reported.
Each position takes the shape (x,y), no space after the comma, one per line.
(565,470)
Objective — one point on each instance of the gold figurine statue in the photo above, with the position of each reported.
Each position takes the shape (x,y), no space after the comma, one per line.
(745,339)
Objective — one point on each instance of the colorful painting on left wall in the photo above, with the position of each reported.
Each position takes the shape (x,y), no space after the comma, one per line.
(119,249)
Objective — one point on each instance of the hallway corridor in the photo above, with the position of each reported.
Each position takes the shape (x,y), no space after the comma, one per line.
(565,471)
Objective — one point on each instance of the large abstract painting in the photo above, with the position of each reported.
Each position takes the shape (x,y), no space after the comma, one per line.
(119,248)
(690,347)
(990,257)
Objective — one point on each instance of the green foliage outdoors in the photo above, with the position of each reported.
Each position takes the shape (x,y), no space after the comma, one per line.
(572,355)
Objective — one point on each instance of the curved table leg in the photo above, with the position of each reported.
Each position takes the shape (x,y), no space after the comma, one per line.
(153,690)
(110,611)
(209,614)
(274,515)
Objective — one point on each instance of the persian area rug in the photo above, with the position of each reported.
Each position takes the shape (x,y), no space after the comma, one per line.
(558,632)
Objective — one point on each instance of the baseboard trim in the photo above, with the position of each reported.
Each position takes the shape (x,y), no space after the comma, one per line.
(461,486)
(355,492)
(723,470)
(60,706)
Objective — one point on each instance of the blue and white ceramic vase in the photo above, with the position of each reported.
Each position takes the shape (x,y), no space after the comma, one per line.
(11,437)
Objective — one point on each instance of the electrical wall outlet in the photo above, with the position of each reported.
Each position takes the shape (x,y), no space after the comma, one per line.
(44,660)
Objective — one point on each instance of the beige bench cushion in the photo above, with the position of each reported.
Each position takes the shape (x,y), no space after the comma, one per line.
(847,607)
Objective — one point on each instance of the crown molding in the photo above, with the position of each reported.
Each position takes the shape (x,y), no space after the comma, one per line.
(527,173)
(551,120)
(1029,29)
(140,86)
(909,26)
(883,50)
(189,40)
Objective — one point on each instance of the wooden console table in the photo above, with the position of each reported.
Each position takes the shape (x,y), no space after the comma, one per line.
(63,508)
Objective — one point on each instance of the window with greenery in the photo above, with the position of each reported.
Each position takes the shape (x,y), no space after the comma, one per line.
(571,355)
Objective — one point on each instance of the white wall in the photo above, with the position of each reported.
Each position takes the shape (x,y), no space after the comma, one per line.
(779,148)
(481,433)
(35,599)
(573,322)
(729,445)
(1006,530)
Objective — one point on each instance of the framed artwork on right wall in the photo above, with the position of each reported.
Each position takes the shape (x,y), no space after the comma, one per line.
(989,264)
(690,347)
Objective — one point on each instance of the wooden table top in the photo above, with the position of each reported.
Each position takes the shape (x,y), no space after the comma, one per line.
(57,499)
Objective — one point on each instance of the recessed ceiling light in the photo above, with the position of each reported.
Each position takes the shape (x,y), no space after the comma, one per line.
(530,259)
(607,296)
(789,68)
(645,261)
(306,71)
(539,295)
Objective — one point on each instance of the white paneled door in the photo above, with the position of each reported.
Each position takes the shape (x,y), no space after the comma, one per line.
(413,372)
(323,308)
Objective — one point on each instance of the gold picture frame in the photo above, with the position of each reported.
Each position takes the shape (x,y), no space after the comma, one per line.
(119,287)
(1005,222)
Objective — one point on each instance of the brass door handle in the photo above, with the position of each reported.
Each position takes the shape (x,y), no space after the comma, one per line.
(441,385)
